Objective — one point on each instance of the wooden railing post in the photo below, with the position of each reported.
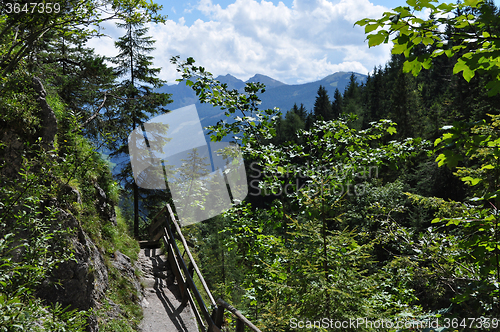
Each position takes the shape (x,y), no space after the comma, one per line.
(219,316)
(191,269)
(240,326)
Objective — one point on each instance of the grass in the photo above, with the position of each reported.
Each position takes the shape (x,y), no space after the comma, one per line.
(121,290)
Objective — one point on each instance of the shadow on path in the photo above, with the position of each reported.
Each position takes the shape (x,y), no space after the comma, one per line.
(163,310)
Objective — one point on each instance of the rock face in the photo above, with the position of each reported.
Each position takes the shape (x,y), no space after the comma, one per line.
(106,210)
(123,264)
(81,282)
(49,121)
(11,154)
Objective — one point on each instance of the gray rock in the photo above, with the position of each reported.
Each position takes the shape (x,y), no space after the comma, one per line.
(104,206)
(11,157)
(123,264)
(49,120)
(81,282)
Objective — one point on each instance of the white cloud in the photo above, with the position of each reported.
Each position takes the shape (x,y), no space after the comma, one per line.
(106,45)
(304,42)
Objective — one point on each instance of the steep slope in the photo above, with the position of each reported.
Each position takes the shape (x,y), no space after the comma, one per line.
(62,240)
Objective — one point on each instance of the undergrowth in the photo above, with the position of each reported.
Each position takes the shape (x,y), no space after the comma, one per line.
(38,186)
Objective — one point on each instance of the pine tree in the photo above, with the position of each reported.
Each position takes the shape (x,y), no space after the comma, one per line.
(322,105)
(138,101)
(337,104)
(352,88)
(352,101)
(300,111)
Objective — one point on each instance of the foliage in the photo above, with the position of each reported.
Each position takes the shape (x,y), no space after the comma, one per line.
(41,192)
(467,34)
(298,256)
(31,247)
(473,36)
(23,35)
(253,126)
(22,313)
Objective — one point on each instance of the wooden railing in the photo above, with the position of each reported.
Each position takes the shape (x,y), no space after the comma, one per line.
(168,229)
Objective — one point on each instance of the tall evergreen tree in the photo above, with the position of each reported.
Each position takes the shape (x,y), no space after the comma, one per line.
(300,111)
(337,104)
(138,102)
(352,101)
(322,105)
(352,88)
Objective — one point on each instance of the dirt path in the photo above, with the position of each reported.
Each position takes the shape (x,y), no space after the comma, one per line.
(162,307)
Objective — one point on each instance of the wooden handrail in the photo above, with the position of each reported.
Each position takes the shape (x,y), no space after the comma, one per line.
(184,276)
(155,226)
(178,229)
(239,316)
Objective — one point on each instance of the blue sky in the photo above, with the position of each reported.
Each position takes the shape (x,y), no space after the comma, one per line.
(294,41)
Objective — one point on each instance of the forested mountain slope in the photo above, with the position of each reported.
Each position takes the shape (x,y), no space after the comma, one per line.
(277,94)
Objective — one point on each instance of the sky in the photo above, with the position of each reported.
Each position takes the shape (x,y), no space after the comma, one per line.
(293,41)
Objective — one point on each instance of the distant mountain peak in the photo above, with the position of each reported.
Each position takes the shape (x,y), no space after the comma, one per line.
(341,76)
(227,76)
(277,94)
(268,81)
(231,81)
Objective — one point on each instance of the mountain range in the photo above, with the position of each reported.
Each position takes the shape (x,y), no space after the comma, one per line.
(277,94)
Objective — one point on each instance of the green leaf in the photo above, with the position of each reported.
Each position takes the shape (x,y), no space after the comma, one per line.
(427,63)
(493,88)
(471,181)
(371,27)
(377,39)
(461,66)
(363,21)
(472,3)
(399,48)
(448,158)
(453,222)
(391,130)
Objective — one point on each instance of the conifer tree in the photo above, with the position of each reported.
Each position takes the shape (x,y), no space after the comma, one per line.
(300,111)
(337,104)
(352,88)
(138,100)
(322,105)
